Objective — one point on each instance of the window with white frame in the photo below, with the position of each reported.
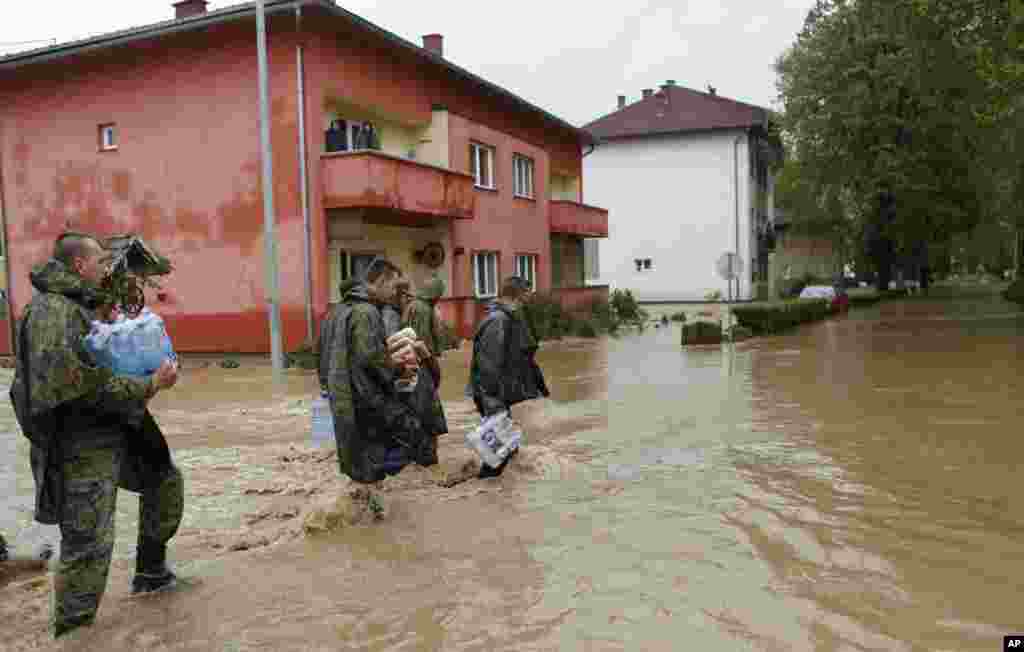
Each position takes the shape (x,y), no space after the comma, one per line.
(522,176)
(481,161)
(485,274)
(526,268)
(108,136)
(591,261)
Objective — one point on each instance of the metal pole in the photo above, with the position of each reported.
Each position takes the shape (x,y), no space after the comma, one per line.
(269,236)
(303,183)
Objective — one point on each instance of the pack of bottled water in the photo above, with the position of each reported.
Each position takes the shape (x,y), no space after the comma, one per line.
(131,347)
(497,437)
(323,422)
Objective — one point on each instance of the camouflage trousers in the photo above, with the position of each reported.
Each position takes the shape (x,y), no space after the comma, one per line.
(91,480)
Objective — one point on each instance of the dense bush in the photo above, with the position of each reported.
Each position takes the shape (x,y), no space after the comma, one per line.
(679,316)
(1015,292)
(626,307)
(863,297)
(772,317)
(701,332)
(547,319)
(739,333)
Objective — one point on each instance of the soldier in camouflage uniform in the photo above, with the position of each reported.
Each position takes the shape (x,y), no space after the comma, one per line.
(377,432)
(90,431)
(420,314)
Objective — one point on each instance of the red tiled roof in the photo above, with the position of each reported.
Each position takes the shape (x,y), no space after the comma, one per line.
(675,109)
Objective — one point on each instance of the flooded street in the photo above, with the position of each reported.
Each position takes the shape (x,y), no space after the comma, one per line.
(849,486)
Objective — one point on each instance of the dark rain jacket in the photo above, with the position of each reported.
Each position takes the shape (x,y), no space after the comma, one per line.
(370,419)
(503,371)
(425,400)
(63,401)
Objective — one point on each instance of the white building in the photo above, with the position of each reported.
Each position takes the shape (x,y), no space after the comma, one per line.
(686,178)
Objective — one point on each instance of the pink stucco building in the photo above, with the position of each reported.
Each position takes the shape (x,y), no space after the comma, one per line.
(155,130)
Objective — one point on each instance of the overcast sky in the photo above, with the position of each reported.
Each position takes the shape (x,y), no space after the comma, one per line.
(571,57)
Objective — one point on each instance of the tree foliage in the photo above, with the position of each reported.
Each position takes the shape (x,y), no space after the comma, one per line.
(902,120)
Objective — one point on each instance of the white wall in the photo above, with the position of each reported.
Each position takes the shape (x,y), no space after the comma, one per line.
(671,199)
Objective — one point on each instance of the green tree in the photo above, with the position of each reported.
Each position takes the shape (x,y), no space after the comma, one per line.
(889,107)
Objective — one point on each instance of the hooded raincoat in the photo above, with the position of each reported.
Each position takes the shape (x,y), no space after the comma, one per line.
(63,401)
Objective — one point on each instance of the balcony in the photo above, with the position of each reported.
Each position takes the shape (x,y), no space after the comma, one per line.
(573,218)
(417,192)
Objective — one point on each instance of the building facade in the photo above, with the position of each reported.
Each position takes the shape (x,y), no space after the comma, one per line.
(380,147)
(687,177)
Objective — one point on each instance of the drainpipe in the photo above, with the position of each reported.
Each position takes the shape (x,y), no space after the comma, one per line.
(303,181)
(11,329)
(736,193)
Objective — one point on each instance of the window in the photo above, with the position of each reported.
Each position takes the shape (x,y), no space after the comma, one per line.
(354,265)
(485,274)
(108,137)
(351,135)
(346,265)
(642,264)
(647,263)
(591,261)
(526,268)
(481,161)
(522,176)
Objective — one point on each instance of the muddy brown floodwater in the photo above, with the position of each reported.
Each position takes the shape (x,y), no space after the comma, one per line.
(854,485)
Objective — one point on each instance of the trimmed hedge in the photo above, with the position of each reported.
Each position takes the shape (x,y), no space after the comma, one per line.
(776,316)
(739,333)
(1015,292)
(702,332)
(863,297)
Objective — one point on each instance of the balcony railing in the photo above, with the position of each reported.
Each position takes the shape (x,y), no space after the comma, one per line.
(375,180)
(573,218)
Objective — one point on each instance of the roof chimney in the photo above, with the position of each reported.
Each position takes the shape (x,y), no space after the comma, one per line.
(189,8)
(434,43)
(648,92)
(622,101)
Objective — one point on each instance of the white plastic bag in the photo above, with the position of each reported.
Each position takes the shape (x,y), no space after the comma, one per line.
(497,437)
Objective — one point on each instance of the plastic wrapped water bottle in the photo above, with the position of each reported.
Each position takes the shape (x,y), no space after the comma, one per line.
(323,422)
(131,347)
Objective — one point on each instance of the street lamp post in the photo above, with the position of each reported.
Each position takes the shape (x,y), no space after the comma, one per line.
(269,235)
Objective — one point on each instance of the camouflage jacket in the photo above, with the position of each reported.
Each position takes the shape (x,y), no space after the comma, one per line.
(62,400)
(369,416)
(425,398)
(422,318)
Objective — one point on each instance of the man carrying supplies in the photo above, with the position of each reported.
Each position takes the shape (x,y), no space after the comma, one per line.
(503,371)
(83,422)
(377,431)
